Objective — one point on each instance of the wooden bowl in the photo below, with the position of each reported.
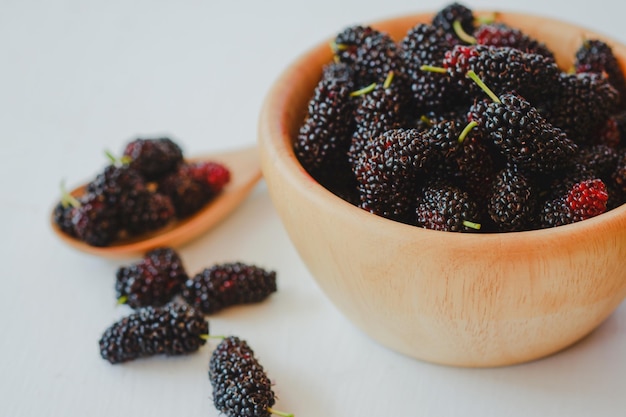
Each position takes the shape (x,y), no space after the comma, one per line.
(474,300)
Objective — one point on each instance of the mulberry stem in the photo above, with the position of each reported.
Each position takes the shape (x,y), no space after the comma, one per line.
(67,199)
(471,225)
(336,47)
(388,80)
(279,413)
(426,120)
(486,19)
(124,160)
(471,74)
(462,34)
(432,68)
(122,300)
(363,90)
(211,336)
(466,131)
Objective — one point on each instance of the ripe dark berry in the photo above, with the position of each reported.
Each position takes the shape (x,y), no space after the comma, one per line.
(503,69)
(62,217)
(95,222)
(597,57)
(499,34)
(339,72)
(427,45)
(599,160)
(580,200)
(64,210)
(324,137)
(475,165)
(370,53)
(241,387)
(454,12)
(115,183)
(187,195)
(512,201)
(146,211)
(608,133)
(153,281)
(377,111)
(523,136)
(154,157)
(228,284)
(618,175)
(387,169)
(445,207)
(581,105)
(170,330)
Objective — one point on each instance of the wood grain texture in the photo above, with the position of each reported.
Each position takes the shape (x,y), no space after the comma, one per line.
(473,300)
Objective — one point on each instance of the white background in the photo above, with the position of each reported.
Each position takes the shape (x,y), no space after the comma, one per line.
(78,77)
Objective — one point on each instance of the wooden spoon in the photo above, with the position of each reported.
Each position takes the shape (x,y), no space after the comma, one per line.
(245,172)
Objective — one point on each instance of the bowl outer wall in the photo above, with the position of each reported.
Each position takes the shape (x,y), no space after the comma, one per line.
(458,299)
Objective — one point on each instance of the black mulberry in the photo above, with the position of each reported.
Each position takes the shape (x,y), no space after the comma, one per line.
(511,205)
(154,157)
(228,284)
(523,136)
(187,195)
(370,53)
(153,281)
(454,12)
(170,330)
(444,207)
(597,57)
(241,387)
(581,104)
(503,69)
(430,92)
(499,34)
(324,138)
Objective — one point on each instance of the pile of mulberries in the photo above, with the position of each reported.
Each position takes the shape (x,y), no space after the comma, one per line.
(145,190)
(168,318)
(479,129)
(160,276)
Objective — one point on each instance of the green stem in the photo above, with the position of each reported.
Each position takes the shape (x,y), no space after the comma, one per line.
(124,160)
(67,199)
(210,336)
(426,120)
(111,157)
(466,131)
(462,34)
(486,19)
(471,225)
(363,90)
(122,300)
(432,68)
(279,413)
(388,80)
(471,74)
(336,47)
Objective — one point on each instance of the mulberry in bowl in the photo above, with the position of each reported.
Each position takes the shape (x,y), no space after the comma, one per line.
(479,292)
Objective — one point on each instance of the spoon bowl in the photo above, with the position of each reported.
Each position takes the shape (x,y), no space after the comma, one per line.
(245,173)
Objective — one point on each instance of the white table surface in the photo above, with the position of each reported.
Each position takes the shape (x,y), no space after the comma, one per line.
(78,77)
